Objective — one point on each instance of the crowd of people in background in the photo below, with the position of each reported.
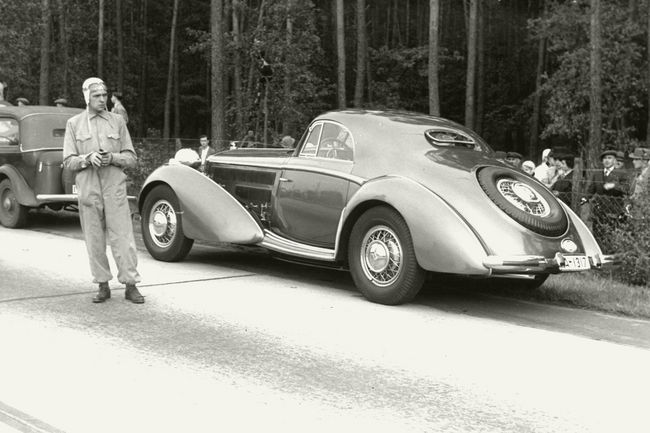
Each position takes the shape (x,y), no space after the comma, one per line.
(610,190)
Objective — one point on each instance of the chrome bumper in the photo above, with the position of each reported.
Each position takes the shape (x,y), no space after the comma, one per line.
(539,264)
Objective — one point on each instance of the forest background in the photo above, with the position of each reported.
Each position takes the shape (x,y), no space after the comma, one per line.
(525,74)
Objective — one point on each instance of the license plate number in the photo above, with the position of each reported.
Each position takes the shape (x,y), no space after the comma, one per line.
(575,263)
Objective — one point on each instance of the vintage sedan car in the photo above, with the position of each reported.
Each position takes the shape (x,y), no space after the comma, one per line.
(390,196)
(31,170)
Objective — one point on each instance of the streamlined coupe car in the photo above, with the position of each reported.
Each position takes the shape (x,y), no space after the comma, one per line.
(388,195)
(31,154)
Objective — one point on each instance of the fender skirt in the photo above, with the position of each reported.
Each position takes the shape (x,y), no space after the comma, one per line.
(24,194)
(209,212)
(442,239)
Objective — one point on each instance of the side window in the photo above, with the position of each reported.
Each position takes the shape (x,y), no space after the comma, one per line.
(8,132)
(311,143)
(336,143)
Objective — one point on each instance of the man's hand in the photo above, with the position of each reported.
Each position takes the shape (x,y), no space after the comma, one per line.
(107,158)
(95,159)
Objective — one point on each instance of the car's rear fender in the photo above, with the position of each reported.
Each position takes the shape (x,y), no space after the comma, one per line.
(209,212)
(442,239)
(24,194)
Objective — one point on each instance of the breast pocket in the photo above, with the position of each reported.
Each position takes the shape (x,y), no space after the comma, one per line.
(113,142)
(84,143)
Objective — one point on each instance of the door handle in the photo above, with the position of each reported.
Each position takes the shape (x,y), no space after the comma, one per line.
(284,179)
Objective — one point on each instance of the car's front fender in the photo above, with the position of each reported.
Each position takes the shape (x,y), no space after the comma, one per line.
(209,212)
(442,239)
(24,194)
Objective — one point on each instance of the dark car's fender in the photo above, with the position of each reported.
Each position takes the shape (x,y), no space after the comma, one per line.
(209,212)
(22,190)
(442,239)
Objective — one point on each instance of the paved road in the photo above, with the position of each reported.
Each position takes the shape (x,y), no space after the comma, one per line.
(232,340)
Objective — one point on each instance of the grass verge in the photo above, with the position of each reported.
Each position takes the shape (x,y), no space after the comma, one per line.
(588,290)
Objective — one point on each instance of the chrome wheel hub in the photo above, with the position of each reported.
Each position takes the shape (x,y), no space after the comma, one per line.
(162,223)
(523,197)
(381,256)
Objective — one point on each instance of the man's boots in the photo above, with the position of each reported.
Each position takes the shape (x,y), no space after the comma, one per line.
(103,294)
(133,294)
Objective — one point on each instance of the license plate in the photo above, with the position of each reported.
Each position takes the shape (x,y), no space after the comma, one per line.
(575,263)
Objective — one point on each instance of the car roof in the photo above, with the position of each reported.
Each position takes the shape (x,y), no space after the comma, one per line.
(27,110)
(387,118)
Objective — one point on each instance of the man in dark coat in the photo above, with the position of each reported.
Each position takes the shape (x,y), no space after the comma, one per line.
(607,190)
(563,186)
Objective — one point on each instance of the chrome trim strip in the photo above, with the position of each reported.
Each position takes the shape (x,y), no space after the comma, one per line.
(237,162)
(67,197)
(56,197)
(40,149)
(514,264)
(277,243)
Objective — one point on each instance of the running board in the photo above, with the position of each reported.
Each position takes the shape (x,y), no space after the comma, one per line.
(282,245)
(56,198)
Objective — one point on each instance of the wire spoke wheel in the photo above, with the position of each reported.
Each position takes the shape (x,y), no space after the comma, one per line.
(162,223)
(381,256)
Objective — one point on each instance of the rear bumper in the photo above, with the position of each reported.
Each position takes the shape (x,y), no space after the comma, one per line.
(539,264)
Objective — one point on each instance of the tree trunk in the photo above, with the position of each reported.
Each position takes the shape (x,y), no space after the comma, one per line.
(648,127)
(177,96)
(170,72)
(340,54)
(120,45)
(218,70)
(63,40)
(237,69)
(434,47)
(533,147)
(480,70)
(44,81)
(100,41)
(470,89)
(287,76)
(142,94)
(595,110)
(362,53)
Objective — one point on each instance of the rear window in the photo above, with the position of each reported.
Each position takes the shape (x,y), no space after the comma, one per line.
(8,132)
(447,137)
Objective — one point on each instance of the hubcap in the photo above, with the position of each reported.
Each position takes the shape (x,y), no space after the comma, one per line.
(381,256)
(162,223)
(524,197)
(8,201)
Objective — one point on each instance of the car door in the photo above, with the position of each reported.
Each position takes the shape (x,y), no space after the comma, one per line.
(313,187)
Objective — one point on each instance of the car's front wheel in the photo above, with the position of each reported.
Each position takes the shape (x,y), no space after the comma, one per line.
(382,258)
(12,213)
(162,226)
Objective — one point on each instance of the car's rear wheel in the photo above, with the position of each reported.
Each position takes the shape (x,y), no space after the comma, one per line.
(382,258)
(12,213)
(162,226)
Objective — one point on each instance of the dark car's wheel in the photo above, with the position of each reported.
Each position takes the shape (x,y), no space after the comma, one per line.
(382,259)
(531,205)
(162,226)
(12,213)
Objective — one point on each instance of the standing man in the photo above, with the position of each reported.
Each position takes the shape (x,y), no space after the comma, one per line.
(118,108)
(546,172)
(204,151)
(97,148)
(21,102)
(61,102)
(607,190)
(563,186)
(641,160)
